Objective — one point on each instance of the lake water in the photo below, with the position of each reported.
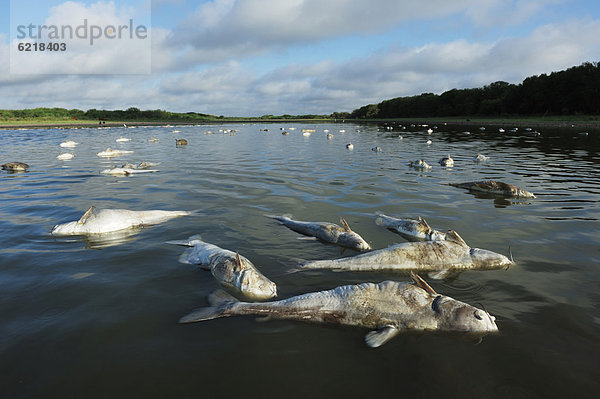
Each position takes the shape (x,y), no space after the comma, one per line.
(87,320)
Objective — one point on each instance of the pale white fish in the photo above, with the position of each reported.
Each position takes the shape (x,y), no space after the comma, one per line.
(68,144)
(386,308)
(440,259)
(412,230)
(99,221)
(233,271)
(326,232)
(65,156)
(113,153)
(122,139)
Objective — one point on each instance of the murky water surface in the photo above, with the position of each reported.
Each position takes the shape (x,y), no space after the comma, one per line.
(86,319)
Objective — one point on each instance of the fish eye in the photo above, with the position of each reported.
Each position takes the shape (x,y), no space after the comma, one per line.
(477,316)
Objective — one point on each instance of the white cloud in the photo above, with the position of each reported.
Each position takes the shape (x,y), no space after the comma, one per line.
(97,38)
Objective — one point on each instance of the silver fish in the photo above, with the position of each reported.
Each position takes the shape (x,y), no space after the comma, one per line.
(496,188)
(327,232)
(439,259)
(387,308)
(412,230)
(234,272)
(98,221)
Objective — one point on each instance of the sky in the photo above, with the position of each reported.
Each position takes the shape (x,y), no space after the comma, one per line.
(257,57)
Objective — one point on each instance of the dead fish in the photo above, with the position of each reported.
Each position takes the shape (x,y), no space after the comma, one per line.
(98,221)
(15,166)
(480,158)
(496,188)
(181,142)
(447,161)
(440,259)
(127,171)
(326,232)
(113,153)
(419,164)
(412,230)
(68,144)
(387,308)
(234,272)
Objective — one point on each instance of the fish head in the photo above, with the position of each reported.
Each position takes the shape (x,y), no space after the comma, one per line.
(251,282)
(520,193)
(65,229)
(484,259)
(354,241)
(255,286)
(453,315)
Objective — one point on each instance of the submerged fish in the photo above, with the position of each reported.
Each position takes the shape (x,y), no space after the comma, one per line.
(439,259)
(327,232)
(98,221)
(388,308)
(232,271)
(412,230)
(15,166)
(496,188)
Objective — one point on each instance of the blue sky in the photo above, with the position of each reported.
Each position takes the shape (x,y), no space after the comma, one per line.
(255,57)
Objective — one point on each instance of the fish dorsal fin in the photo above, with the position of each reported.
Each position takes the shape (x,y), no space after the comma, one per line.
(422,284)
(453,236)
(345,224)
(424,223)
(238,260)
(89,213)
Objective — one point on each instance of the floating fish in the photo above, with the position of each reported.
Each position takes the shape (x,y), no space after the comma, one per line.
(65,156)
(480,158)
(447,161)
(122,139)
(113,153)
(234,272)
(327,232)
(440,259)
(412,230)
(387,308)
(496,188)
(98,221)
(15,166)
(68,144)
(126,171)
(419,164)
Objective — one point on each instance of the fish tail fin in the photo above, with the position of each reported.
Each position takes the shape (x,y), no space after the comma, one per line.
(220,302)
(186,243)
(203,314)
(291,265)
(279,217)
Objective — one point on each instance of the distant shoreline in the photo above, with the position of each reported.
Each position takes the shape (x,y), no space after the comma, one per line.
(507,122)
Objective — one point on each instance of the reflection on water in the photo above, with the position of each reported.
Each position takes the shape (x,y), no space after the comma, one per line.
(81,323)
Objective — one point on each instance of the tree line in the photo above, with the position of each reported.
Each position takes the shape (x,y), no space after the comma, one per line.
(130,114)
(575,91)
